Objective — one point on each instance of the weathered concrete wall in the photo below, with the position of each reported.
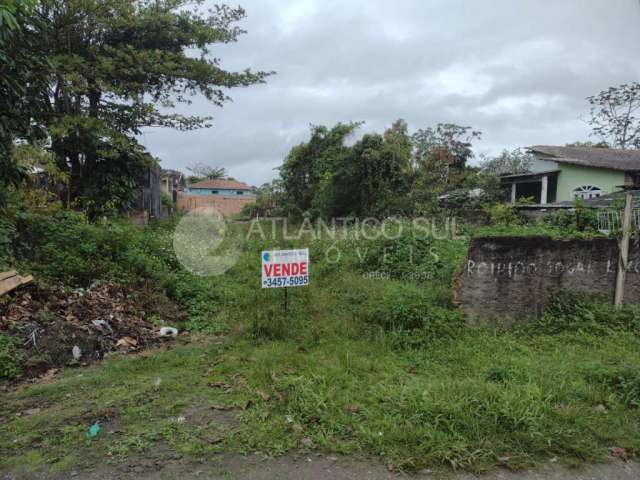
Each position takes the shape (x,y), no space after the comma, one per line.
(511,279)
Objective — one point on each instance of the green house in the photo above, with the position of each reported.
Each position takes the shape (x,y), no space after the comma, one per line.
(561,174)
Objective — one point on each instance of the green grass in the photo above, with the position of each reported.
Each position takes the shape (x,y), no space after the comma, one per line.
(481,399)
(356,365)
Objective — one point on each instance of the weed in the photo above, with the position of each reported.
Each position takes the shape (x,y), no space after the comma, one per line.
(11,358)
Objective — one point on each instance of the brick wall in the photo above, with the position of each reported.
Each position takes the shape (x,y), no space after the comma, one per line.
(511,279)
(227,206)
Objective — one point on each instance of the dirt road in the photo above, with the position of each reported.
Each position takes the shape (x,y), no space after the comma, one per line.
(313,468)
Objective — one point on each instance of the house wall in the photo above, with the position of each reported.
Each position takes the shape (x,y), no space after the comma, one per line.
(219,191)
(574,176)
(542,165)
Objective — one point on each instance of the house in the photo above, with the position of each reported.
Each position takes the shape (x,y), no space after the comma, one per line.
(172,182)
(561,174)
(228,196)
(222,187)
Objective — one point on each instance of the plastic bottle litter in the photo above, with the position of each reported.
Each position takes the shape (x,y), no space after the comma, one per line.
(168,332)
(94,430)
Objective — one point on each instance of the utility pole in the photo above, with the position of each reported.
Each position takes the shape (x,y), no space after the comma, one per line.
(624,250)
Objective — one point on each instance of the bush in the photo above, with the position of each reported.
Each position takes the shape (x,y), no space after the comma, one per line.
(68,248)
(623,382)
(578,312)
(404,307)
(167,201)
(7,231)
(414,255)
(11,358)
(580,219)
(504,215)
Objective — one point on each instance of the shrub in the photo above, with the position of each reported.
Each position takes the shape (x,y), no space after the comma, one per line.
(505,215)
(404,309)
(622,381)
(11,358)
(7,231)
(413,255)
(66,247)
(577,312)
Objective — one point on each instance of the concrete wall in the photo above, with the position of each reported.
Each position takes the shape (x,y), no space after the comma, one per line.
(511,279)
(227,206)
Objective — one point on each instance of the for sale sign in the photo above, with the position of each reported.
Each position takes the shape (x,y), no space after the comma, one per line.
(285,268)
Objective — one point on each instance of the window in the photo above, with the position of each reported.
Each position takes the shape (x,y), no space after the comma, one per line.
(214,192)
(239,192)
(587,191)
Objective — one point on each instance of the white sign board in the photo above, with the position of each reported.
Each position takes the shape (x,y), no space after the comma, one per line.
(285,268)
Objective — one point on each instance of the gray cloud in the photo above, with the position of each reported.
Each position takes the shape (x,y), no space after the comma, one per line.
(517,71)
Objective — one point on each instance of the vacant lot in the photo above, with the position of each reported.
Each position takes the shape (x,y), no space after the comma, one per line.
(360,364)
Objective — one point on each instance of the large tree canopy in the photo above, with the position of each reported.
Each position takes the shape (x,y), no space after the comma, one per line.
(23,79)
(379,175)
(116,66)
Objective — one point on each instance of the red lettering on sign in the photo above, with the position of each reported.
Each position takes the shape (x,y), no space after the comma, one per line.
(285,269)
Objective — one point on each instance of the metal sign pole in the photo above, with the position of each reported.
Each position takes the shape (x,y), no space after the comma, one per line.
(285,299)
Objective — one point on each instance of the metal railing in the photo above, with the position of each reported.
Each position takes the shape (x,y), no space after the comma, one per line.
(609,220)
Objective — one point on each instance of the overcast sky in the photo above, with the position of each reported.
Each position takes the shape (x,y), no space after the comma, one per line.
(519,71)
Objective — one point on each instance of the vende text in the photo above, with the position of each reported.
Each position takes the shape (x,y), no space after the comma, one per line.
(285,269)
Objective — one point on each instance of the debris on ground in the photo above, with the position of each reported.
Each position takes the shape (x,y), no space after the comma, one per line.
(10,280)
(94,430)
(60,327)
(168,332)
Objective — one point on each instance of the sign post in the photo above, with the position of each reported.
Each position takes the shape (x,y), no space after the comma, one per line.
(285,268)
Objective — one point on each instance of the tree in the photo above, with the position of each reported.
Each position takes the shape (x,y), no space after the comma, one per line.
(119,66)
(202,171)
(23,76)
(374,179)
(307,172)
(443,152)
(508,163)
(439,163)
(613,115)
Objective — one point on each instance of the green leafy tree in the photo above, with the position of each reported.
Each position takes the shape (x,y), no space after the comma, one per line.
(440,156)
(23,77)
(307,171)
(118,66)
(374,179)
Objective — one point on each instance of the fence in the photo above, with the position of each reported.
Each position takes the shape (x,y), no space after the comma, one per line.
(611,220)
